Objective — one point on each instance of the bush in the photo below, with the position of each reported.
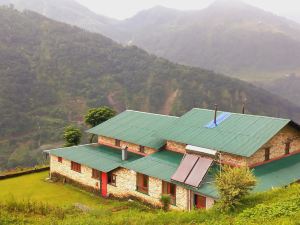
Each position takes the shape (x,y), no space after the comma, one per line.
(165,200)
(233,184)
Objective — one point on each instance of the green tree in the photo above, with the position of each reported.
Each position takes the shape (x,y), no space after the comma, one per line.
(72,136)
(97,116)
(234,183)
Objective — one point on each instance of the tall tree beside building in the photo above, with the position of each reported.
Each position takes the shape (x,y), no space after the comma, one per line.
(97,116)
(72,136)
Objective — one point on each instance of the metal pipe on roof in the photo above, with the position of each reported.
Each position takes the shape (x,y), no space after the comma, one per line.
(215,117)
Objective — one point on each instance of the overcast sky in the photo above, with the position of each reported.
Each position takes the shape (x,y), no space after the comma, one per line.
(121,9)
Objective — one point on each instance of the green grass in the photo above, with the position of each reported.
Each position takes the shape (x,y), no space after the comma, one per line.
(30,199)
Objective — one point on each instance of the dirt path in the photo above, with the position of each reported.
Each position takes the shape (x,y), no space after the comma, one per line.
(167,107)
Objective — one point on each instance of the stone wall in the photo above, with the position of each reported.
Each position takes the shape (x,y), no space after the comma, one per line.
(176,147)
(233,160)
(64,168)
(131,147)
(277,146)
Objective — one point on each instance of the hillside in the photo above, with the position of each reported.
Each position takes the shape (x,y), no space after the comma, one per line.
(229,36)
(39,202)
(68,11)
(51,73)
(287,87)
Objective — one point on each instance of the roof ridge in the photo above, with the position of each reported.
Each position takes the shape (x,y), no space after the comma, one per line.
(271,117)
(74,146)
(150,113)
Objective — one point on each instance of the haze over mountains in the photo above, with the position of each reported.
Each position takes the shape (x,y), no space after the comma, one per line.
(51,73)
(229,37)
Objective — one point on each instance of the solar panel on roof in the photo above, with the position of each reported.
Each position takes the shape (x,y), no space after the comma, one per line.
(198,172)
(221,118)
(184,168)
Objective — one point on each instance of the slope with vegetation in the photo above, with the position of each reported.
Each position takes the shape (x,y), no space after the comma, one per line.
(37,201)
(52,73)
(229,36)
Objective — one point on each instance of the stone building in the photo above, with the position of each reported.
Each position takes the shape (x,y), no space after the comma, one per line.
(144,155)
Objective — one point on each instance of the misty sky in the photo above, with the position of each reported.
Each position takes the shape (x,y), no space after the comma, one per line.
(126,8)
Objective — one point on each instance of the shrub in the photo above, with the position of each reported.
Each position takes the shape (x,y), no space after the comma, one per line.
(165,200)
(233,184)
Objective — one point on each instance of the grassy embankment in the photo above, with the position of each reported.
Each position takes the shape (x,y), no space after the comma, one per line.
(30,199)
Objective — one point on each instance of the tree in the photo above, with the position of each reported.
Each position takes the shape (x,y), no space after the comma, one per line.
(234,183)
(97,116)
(72,136)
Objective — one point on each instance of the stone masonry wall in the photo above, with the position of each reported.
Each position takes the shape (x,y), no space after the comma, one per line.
(64,168)
(132,147)
(176,147)
(277,145)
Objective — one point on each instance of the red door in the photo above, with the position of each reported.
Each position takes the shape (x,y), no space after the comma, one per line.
(104,184)
(200,202)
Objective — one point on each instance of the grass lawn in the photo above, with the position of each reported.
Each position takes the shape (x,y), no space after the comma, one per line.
(281,206)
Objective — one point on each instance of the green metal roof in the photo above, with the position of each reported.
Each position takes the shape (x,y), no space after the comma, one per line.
(278,173)
(135,127)
(161,165)
(95,156)
(239,134)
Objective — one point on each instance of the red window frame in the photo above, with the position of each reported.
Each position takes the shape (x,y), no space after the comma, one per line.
(117,143)
(142,149)
(267,154)
(199,201)
(142,183)
(59,159)
(169,189)
(96,174)
(76,167)
(287,148)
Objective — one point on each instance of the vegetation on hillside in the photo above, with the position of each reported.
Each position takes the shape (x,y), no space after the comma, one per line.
(65,205)
(52,73)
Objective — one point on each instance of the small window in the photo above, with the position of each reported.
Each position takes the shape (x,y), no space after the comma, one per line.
(169,189)
(76,167)
(96,174)
(117,143)
(287,148)
(267,154)
(59,159)
(142,183)
(112,179)
(142,149)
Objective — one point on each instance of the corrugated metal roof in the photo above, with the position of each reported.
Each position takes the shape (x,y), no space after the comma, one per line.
(161,165)
(135,127)
(239,134)
(278,173)
(95,156)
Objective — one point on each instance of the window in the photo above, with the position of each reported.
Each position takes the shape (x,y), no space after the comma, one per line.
(169,189)
(112,179)
(287,148)
(267,154)
(96,174)
(199,201)
(59,159)
(76,167)
(117,143)
(142,149)
(142,183)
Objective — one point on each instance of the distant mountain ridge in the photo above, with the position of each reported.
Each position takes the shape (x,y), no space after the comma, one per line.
(229,36)
(51,73)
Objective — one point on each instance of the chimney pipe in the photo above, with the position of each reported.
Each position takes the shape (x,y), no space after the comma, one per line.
(124,153)
(215,117)
(243,108)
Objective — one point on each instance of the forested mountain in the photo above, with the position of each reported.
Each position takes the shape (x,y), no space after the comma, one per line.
(287,87)
(67,11)
(51,73)
(229,36)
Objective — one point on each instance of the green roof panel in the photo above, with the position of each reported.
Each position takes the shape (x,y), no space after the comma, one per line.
(95,156)
(239,134)
(135,127)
